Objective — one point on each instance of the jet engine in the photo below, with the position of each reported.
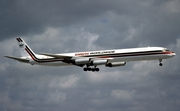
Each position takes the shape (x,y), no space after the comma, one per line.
(81,61)
(115,64)
(98,62)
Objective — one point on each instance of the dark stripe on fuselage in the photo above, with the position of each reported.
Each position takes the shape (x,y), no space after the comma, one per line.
(40,60)
(125,54)
(18,39)
(29,51)
(130,55)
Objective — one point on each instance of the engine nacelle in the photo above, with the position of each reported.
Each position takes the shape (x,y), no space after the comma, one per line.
(81,61)
(115,64)
(98,62)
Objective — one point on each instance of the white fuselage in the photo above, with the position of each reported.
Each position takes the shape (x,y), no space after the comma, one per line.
(114,55)
(89,60)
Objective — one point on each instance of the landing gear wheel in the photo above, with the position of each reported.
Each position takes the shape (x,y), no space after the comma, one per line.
(85,69)
(89,69)
(160,64)
(97,69)
(93,69)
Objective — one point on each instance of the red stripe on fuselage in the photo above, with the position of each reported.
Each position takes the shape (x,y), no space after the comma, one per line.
(41,60)
(31,55)
(20,39)
(168,52)
(128,55)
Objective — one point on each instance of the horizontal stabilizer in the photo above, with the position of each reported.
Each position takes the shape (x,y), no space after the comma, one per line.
(56,56)
(19,59)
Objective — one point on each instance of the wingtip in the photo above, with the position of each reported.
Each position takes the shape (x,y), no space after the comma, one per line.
(6,56)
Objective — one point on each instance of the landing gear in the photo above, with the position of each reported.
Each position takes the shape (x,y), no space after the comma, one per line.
(87,69)
(95,69)
(160,62)
(91,69)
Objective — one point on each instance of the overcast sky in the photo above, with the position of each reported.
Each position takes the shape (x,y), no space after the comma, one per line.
(57,26)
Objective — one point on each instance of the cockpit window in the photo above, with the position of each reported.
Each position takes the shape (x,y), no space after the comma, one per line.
(166,50)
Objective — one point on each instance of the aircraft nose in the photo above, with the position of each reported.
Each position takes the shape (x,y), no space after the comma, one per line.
(173,54)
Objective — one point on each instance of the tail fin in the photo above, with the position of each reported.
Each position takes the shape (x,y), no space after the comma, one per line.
(25,50)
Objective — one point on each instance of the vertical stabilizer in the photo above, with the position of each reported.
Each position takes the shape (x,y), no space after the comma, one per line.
(23,47)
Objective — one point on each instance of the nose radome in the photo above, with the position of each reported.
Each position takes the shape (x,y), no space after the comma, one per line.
(173,53)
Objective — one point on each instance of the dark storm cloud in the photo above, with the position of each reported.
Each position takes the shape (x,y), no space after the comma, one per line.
(145,22)
(77,25)
(21,17)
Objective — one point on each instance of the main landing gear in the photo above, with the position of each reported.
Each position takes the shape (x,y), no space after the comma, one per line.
(160,62)
(91,69)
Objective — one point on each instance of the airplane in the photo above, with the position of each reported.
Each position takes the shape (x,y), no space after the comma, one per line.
(89,60)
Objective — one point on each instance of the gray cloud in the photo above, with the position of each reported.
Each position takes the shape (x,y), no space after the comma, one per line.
(30,17)
(59,26)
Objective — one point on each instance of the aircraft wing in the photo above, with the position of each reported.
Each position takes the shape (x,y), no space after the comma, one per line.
(56,56)
(19,59)
(64,56)
(67,59)
(79,61)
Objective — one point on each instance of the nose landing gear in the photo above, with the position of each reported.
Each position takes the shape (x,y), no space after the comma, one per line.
(160,62)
